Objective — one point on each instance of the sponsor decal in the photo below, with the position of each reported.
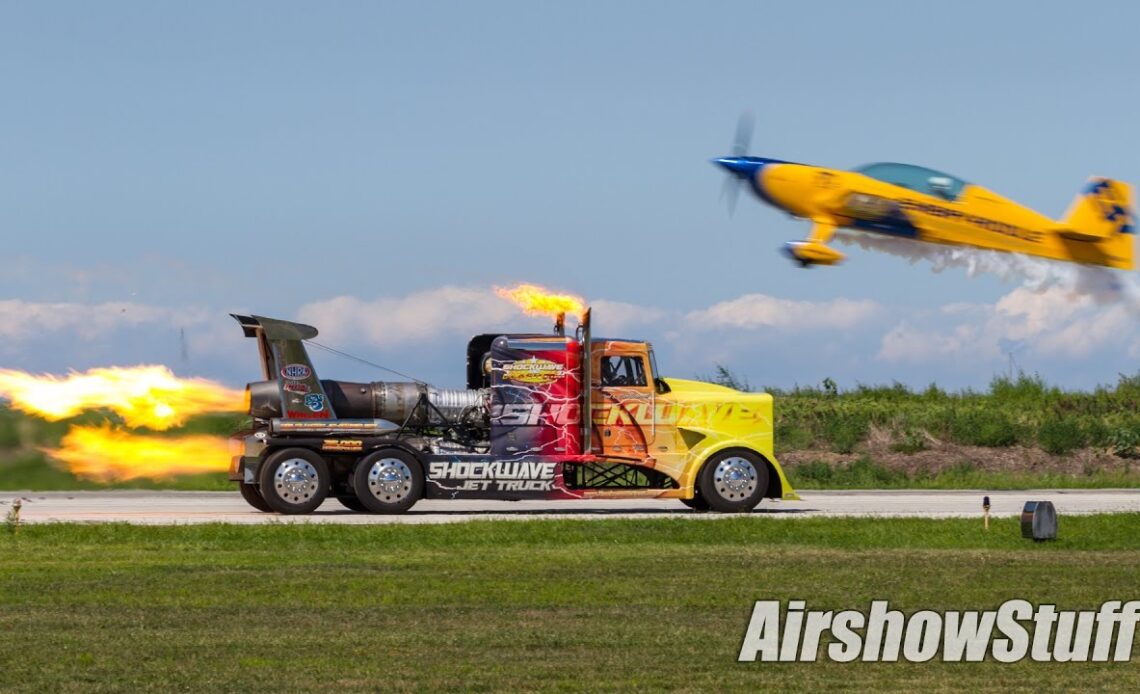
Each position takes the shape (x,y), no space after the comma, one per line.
(298,414)
(629,412)
(1015,630)
(294,387)
(296,372)
(503,476)
(532,414)
(973,220)
(315,402)
(342,445)
(330,425)
(533,371)
(1112,206)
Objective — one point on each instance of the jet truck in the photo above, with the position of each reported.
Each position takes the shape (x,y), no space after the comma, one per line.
(543,416)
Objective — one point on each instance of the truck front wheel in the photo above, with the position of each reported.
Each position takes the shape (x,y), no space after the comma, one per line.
(697,503)
(294,480)
(388,481)
(733,481)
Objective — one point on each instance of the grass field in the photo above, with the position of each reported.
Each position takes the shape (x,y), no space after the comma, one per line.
(542,605)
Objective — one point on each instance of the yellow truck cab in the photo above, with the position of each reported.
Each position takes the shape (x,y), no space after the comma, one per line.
(682,428)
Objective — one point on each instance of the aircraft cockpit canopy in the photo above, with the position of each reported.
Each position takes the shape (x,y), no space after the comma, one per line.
(917,178)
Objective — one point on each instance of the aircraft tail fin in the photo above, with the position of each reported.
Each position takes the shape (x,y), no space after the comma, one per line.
(1104,209)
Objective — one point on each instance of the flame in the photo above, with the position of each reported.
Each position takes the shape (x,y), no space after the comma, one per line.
(538,301)
(105,454)
(144,396)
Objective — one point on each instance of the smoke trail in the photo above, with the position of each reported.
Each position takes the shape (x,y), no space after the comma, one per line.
(1100,284)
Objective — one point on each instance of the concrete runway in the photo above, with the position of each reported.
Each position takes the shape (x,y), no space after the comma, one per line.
(173,508)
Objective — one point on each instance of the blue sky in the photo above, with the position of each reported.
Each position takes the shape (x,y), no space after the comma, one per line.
(377,167)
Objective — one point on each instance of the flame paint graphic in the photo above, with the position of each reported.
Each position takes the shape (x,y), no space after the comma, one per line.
(538,301)
(144,396)
(105,454)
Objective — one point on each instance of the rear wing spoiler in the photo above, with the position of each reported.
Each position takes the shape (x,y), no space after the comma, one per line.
(280,344)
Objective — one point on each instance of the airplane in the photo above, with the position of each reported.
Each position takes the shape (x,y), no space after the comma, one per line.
(914,202)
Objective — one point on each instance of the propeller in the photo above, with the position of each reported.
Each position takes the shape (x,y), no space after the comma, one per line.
(730,190)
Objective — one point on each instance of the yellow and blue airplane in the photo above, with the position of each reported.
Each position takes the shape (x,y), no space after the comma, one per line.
(917,203)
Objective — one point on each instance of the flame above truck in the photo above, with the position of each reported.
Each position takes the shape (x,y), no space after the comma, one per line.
(543,416)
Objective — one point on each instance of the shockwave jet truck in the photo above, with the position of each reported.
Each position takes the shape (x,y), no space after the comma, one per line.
(544,416)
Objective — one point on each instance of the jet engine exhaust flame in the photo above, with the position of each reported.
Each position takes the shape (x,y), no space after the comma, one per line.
(105,454)
(538,301)
(144,396)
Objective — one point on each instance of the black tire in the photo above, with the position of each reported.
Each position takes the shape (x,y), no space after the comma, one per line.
(252,496)
(294,481)
(388,481)
(697,503)
(350,502)
(733,481)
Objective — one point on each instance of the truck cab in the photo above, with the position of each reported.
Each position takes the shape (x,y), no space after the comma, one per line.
(675,426)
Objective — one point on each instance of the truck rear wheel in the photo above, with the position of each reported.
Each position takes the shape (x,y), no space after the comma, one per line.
(388,481)
(252,496)
(294,480)
(733,481)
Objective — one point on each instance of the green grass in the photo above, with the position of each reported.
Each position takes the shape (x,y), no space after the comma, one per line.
(865,473)
(546,605)
(1024,410)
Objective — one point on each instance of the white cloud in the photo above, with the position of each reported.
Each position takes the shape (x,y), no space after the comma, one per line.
(799,341)
(22,320)
(906,343)
(417,317)
(616,316)
(763,311)
(1054,322)
(426,315)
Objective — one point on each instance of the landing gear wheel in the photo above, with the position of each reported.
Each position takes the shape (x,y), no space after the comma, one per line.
(697,503)
(294,480)
(388,481)
(733,481)
(350,502)
(252,496)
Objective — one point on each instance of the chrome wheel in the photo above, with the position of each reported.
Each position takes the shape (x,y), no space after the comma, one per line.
(390,480)
(735,478)
(296,480)
(293,480)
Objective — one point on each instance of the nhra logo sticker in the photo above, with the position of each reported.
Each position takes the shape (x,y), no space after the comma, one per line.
(315,402)
(296,388)
(296,372)
(533,371)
